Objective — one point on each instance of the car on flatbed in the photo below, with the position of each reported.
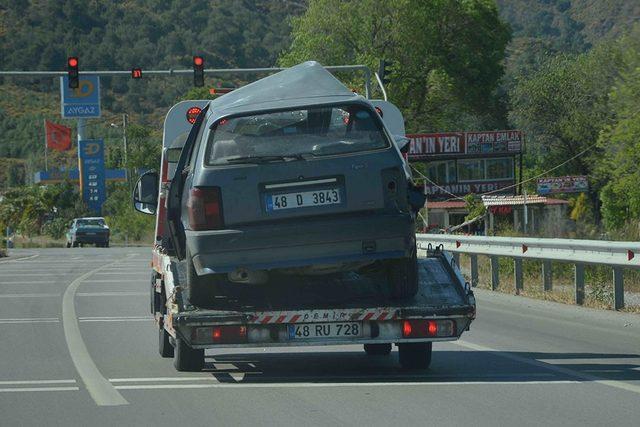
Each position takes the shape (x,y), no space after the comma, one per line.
(285,215)
(88,230)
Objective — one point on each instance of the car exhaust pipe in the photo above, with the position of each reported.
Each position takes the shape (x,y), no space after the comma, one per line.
(249,277)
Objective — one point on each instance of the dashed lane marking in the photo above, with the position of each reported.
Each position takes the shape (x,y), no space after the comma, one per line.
(30,320)
(344,384)
(36,382)
(117,319)
(30,295)
(557,369)
(31,389)
(112,294)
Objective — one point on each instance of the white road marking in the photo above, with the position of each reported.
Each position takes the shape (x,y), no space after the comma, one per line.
(41,382)
(328,384)
(30,295)
(117,319)
(23,389)
(40,282)
(112,294)
(99,388)
(19,259)
(30,320)
(160,379)
(558,369)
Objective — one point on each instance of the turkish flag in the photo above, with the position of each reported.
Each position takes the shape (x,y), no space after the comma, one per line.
(58,136)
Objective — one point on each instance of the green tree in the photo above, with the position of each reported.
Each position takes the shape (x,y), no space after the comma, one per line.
(447,54)
(562,108)
(620,143)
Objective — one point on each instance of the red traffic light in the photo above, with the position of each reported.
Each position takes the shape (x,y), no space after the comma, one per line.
(192,114)
(72,62)
(198,61)
(136,73)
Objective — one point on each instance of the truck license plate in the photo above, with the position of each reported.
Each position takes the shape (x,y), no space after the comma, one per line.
(303,199)
(325,330)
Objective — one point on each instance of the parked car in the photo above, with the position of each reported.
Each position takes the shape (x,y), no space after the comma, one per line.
(91,230)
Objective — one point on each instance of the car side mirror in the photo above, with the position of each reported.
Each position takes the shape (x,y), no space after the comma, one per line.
(145,193)
(403,143)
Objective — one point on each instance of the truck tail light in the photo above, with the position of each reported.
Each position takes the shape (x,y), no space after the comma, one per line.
(205,208)
(226,334)
(428,328)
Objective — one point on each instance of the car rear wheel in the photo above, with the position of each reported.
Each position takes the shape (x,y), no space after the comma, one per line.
(415,355)
(187,359)
(74,244)
(378,349)
(68,244)
(403,276)
(200,290)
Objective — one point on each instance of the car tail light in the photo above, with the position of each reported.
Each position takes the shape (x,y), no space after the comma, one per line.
(228,334)
(205,208)
(428,328)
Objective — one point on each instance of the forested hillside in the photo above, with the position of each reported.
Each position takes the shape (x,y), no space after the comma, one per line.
(564,71)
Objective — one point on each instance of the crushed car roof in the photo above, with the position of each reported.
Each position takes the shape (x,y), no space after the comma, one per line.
(304,84)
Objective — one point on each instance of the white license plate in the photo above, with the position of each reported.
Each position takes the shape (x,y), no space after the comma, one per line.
(303,199)
(325,330)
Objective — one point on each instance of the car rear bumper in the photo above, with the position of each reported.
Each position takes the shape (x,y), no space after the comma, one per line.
(88,238)
(287,244)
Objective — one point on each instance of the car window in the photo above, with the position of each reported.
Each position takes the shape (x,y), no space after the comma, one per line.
(316,131)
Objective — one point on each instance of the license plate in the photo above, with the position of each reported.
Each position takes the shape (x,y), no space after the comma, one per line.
(303,199)
(325,330)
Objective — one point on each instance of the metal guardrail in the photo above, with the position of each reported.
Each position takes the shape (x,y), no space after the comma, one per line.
(618,255)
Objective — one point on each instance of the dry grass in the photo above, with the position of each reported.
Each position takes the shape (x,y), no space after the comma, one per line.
(598,282)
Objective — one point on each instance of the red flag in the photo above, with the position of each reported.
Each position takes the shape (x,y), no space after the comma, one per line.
(58,136)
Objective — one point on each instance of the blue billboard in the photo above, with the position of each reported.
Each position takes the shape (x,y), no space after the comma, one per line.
(92,173)
(83,101)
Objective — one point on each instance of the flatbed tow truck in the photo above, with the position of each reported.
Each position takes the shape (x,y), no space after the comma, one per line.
(339,308)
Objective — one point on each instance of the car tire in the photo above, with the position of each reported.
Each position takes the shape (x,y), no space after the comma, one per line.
(165,348)
(187,359)
(378,349)
(68,244)
(199,290)
(74,244)
(106,244)
(415,355)
(403,276)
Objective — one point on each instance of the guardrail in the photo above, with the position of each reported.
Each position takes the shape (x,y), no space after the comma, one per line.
(618,255)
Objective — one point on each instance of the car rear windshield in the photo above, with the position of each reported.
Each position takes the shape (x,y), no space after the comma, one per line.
(313,131)
(90,222)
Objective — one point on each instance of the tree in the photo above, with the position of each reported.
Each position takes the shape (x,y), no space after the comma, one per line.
(447,54)
(562,109)
(620,143)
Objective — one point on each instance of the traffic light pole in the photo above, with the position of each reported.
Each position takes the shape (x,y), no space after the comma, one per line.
(171,72)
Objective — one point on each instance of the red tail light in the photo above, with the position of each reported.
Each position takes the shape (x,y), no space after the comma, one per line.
(205,208)
(219,334)
(428,328)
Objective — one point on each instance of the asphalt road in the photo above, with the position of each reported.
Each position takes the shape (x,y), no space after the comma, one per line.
(78,347)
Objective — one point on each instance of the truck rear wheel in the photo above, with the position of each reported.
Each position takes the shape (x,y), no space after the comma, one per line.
(164,345)
(187,359)
(378,349)
(415,355)
(403,275)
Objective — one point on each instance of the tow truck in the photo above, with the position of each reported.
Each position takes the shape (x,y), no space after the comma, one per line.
(293,310)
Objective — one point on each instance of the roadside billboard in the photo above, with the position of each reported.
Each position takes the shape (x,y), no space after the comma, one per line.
(430,146)
(563,184)
(461,189)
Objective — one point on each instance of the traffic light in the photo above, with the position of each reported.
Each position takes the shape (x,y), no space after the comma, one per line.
(72,70)
(384,71)
(198,71)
